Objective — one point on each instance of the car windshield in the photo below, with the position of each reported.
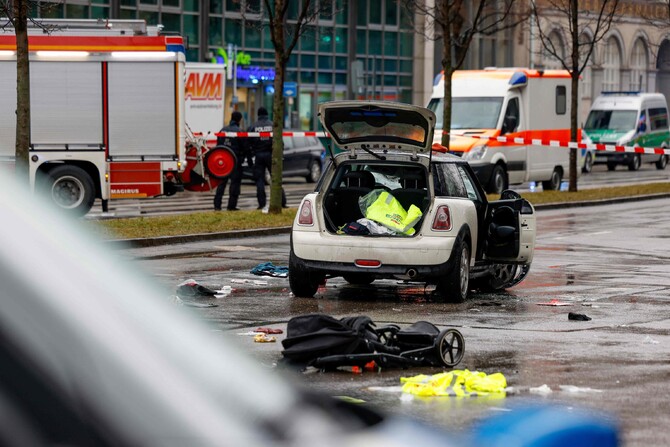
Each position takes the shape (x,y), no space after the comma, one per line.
(611,120)
(469,113)
(350,125)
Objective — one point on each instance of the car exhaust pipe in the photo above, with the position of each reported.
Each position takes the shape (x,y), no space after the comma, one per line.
(411,273)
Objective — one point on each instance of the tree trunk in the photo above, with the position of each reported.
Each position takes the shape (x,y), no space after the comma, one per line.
(448,73)
(277,140)
(574,93)
(22,90)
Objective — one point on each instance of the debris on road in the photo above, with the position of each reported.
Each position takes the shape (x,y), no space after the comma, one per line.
(543,390)
(268,330)
(190,287)
(554,302)
(650,340)
(459,383)
(264,338)
(269,269)
(578,317)
(578,389)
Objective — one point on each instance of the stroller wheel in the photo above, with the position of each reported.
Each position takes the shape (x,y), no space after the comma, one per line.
(450,346)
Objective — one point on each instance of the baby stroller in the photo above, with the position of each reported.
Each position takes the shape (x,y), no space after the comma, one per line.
(327,343)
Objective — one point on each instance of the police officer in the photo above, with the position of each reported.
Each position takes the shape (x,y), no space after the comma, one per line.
(262,149)
(236,176)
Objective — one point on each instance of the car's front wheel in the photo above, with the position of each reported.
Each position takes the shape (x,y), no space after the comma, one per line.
(302,282)
(588,163)
(662,162)
(502,276)
(454,287)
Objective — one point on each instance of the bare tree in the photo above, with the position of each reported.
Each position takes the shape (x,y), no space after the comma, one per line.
(577,20)
(285,35)
(17,11)
(456,22)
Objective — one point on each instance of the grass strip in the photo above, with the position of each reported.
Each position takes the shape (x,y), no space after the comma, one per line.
(215,222)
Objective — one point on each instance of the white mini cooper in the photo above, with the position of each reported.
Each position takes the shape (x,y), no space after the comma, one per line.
(389,206)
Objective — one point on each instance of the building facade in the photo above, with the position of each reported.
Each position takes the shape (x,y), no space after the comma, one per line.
(633,55)
(361,49)
(367,49)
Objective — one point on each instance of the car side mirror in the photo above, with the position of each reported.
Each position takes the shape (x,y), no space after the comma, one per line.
(509,124)
(509,194)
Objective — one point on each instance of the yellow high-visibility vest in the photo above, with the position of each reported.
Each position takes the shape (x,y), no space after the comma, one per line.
(461,383)
(387,211)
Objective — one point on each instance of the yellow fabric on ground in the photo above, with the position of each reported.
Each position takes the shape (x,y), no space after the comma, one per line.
(455,383)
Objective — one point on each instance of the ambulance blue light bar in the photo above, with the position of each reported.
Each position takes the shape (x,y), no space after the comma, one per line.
(518,79)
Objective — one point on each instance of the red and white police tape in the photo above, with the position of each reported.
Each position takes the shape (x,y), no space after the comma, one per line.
(508,140)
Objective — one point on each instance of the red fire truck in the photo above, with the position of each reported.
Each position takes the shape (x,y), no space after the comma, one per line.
(107,110)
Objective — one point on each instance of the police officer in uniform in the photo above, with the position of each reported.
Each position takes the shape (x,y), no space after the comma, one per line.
(261,147)
(236,176)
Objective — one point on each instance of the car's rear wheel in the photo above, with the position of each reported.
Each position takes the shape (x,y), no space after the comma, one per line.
(454,287)
(554,183)
(314,172)
(635,163)
(302,281)
(498,182)
(662,162)
(361,279)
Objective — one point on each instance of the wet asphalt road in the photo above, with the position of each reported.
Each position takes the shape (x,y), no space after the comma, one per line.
(609,262)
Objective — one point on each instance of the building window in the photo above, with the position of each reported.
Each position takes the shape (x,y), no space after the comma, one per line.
(611,65)
(585,78)
(549,58)
(638,67)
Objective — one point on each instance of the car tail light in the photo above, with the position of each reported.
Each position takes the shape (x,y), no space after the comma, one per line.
(442,221)
(367,263)
(305,217)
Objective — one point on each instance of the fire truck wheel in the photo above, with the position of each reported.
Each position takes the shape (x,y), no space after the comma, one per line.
(70,188)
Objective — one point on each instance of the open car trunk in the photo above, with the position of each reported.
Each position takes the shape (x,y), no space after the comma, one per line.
(371,198)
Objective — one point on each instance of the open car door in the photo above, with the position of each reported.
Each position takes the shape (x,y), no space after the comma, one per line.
(510,230)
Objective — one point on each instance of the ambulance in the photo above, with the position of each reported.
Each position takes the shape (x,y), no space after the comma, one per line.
(513,103)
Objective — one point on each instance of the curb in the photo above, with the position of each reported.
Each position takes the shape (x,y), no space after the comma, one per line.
(187,238)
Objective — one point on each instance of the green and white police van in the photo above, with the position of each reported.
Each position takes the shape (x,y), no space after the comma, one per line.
(628,119)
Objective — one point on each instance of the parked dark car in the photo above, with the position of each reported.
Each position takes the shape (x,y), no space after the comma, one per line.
(303,157)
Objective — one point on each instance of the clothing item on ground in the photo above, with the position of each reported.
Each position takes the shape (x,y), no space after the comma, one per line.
(264,338)
(461,383)
(269,269)
(191,288)
(269,330)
